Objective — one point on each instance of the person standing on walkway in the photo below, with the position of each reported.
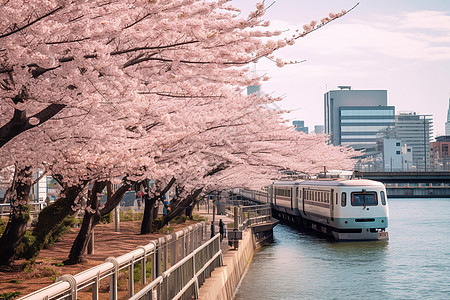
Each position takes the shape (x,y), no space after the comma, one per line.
(221,229)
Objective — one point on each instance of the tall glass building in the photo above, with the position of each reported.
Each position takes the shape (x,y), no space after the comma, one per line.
(354,117)
(359,125)
(416,131)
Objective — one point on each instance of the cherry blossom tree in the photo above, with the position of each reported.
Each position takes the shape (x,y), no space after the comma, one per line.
(97,92)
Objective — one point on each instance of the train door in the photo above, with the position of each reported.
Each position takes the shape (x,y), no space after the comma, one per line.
(274,195)
(293,196)
(303,200)
(332,205)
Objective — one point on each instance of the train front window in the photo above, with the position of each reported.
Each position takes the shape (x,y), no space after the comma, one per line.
(364,199)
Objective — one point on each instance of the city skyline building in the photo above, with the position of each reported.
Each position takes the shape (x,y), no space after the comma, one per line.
(318,129)
(354,117)
(300,126)
(447,124)
(439,154)
(416,131)
(254,89)
(396,156)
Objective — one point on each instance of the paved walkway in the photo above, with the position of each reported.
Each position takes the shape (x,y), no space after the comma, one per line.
(208,214)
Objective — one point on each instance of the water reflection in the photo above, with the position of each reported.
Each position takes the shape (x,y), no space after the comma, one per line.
(413,264)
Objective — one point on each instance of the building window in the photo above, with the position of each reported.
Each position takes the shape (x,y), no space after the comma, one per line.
(397,152)
(397,144)
(408,150)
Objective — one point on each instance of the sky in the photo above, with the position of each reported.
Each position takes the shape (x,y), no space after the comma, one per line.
(401,46)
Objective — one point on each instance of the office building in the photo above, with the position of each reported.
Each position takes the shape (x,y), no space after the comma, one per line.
(395,155)
(439,154)
(318,129)
(416,131)
(254,89)
(300,126)
(354,117)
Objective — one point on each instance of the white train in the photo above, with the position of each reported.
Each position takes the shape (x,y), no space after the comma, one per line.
(354,209)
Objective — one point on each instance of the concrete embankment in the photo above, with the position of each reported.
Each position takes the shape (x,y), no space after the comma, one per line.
(224,280)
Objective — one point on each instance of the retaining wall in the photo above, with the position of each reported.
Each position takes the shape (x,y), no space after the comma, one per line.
(224,280)
(418,192)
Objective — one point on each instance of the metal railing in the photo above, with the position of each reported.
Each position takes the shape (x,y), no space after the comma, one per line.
(185,277)
(5,208)
(172,269)
(255,214)
(251,214)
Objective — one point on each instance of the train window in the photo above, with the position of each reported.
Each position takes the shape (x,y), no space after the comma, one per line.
(383,198)
(364,199)
(343,199)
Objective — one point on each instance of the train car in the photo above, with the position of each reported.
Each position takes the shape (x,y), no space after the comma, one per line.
(350,209)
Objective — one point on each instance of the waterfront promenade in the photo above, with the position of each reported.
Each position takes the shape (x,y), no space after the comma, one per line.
(108,243)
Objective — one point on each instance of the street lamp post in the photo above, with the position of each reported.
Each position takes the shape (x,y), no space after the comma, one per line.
(424,144)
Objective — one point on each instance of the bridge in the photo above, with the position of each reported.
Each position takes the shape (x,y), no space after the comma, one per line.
(412,184)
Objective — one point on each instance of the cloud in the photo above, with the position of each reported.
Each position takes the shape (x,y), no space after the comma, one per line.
(434,20)
(422,35)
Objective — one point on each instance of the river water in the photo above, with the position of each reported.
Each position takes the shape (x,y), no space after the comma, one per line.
(413,264)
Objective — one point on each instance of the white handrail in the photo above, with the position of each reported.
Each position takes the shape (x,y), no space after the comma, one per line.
(108,268)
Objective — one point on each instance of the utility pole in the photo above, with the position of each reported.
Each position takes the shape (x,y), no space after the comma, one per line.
(424,144)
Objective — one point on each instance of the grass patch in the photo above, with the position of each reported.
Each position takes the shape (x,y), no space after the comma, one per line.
(18,281)
(9,295)
(179,219)
(166,230)
(137,271)
(3,223)
(198,218)
(129,215)
(46,272)
(27,248)
(106,218)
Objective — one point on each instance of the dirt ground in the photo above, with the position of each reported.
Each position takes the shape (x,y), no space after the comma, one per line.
(48,266)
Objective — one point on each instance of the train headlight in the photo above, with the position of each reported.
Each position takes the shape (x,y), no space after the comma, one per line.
(346,222)
(382,221)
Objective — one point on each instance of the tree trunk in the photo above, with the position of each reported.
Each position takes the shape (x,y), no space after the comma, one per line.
(149,203)
(90,219)
(190,209)
(149,208)
(19,217)
(155,211)
(51,217)
(181,206)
